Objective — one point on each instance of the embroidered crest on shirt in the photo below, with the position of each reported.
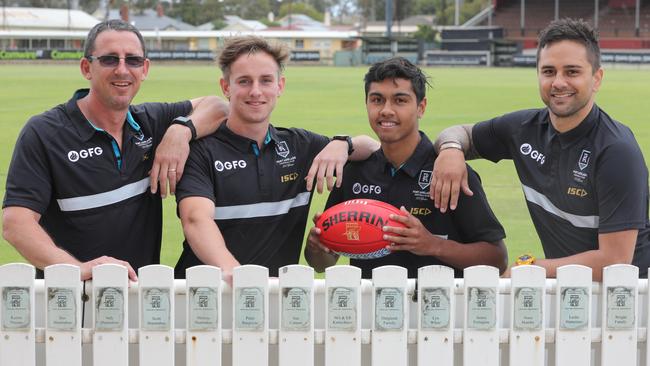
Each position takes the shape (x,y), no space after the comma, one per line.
(583,162)
(424,180)
(282,149)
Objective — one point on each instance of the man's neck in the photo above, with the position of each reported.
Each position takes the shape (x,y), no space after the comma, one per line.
(253,131)
(109,120)
(565,124)
(399,152)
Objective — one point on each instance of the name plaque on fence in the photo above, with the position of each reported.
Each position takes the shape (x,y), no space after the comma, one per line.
(481,308)
(156,309)
(16,309)
(620,307)
(389,309)
(528,308)
(342,309)
(109,309)
(574,307)
(61,308)
(203,309)
(249,308)
(295,309)
(436,308)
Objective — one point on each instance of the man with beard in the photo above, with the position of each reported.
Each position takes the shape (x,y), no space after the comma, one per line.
(582,173)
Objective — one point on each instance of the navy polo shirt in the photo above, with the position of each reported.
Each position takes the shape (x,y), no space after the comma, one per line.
(260,196)
(589,180)
(376,178)
(93,197)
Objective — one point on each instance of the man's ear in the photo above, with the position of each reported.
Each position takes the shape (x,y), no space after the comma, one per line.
(84,66)
(225,88)
(422,106)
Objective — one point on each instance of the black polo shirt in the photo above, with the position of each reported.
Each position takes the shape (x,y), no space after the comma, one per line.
(589,180)
(260,196)
(93,197)
(375,178)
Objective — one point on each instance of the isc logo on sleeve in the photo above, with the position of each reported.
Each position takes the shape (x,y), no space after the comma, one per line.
(74,156)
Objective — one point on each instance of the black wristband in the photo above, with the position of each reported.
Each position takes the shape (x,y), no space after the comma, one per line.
(347,139)
(187,122)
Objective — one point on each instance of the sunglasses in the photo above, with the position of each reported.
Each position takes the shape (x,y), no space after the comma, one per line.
(113,61)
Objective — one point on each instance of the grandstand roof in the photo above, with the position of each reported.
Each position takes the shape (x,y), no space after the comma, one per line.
(45,18)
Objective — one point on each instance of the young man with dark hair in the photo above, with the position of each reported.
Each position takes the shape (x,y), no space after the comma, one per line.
(400,174)
(583,174)
(78,188)
(243,198)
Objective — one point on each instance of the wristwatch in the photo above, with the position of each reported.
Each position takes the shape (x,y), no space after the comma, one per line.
(525,259)
(187,122)
(347,139)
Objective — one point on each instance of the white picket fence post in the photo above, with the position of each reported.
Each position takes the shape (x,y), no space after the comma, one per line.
(203,316)
(619,315)
(17,314)
(343,316)
(63,315)
(250,330)
(156,314)
(573,316)
(481,332)
(389,316)
(527,318)
(110,312)
(436,313)
(296,315)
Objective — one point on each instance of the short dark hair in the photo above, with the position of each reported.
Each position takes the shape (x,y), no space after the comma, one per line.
(237,46)
(115,25)
(398,68)
(577,30)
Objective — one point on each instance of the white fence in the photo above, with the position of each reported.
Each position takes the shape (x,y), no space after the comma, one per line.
(342,320)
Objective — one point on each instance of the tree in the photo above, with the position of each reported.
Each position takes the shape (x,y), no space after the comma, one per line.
(247,9)
(301,8)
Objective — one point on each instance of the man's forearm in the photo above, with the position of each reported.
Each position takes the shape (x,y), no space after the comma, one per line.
(22,230)
(207,243)
(364,146)
(319,259)
(208,113)
(461,255)
(453,136)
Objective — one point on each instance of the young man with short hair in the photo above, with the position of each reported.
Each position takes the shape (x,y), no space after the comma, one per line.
(400,174)
(243,198)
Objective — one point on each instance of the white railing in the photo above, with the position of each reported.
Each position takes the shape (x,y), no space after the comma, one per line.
(342,320)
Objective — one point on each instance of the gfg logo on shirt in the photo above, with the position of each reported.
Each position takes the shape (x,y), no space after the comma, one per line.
(365,188)
(229,165)
(74,156)
(527,150)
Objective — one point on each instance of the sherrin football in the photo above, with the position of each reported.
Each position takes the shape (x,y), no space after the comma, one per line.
(354,228)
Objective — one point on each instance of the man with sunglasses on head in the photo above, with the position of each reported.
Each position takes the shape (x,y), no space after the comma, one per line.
(82,187)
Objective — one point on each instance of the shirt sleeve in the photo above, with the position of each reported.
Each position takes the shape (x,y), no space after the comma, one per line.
(473,216)
(161,115)
(29,179)
(622,188)
(493,139)
(197,177)
(316,142)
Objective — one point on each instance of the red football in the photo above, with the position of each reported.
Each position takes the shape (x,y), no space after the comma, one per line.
(354,228)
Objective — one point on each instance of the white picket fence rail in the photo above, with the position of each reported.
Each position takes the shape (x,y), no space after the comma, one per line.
(341,320)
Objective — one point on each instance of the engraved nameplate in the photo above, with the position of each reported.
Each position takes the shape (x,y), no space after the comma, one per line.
(342,306)
(203,311)
(61,308)
(436,308)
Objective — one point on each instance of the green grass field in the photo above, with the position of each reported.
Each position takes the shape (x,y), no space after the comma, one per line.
(330,101)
